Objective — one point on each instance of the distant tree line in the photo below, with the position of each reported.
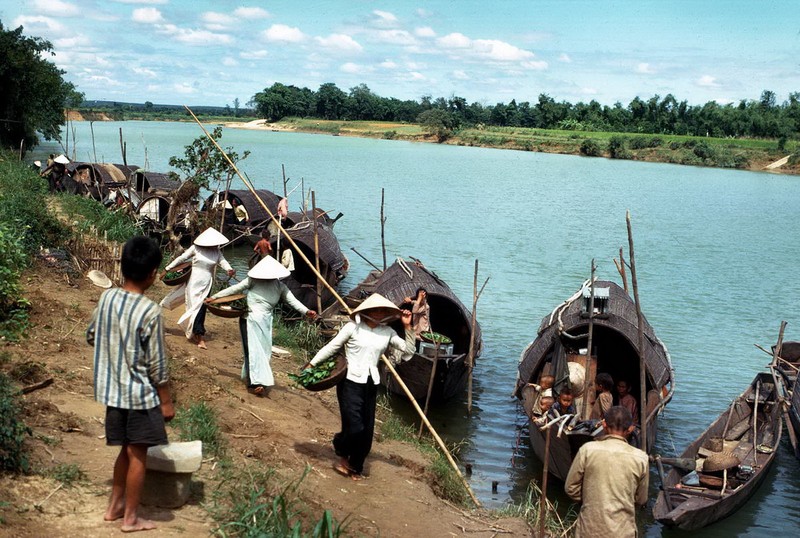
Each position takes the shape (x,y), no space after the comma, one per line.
(762,118)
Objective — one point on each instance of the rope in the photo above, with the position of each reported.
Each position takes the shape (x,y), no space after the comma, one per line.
(406,269)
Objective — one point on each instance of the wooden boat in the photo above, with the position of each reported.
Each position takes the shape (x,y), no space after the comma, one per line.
(691,507)
(256,219)
(448,316)
(561,344)
(333,264)
(785,373)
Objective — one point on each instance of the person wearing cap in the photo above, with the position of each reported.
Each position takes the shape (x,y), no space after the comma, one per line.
(205,254)
(364,340)
(55,172)
(609,477)
(264,291)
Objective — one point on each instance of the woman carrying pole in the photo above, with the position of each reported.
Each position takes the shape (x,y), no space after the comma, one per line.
(264,291)
(205,254)
(364,340)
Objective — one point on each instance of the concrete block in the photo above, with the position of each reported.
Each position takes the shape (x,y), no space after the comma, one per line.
(166,490)
(184,457)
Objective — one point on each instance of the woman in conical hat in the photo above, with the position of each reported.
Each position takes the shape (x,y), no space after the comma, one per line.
(364,340)
(264,291)
(205,254)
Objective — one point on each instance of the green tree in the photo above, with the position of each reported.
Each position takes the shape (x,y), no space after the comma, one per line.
(440,123)
(202,162)
(34,94)
(280,101)
(331,103)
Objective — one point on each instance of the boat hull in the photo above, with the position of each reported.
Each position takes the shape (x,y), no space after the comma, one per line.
(450,378)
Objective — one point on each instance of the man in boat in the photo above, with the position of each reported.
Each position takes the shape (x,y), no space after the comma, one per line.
(609,477)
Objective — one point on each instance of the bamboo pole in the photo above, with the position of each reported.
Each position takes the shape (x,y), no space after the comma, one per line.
(338,297)
(435,435)
(776,351)
(755,424)
(430,384)
(383,238)
(543,498)
(316,249)
(640,334)
(584,414)
(621,268)
(365,259)
(471,352)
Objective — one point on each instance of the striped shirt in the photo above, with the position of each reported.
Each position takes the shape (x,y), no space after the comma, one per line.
(128,338)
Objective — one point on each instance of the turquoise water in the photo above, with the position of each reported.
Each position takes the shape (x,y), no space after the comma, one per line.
(715,253)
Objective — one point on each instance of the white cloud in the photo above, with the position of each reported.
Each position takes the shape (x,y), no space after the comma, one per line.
(588,91)
(251,13)
(339,42)
(535,65)
(564,57)
(283,33)
(424,31)
(423,13)
(147,15)
(414,75)
(459,74)
(105,80)
(645,69)
(388,64)
(78,41)
(454,41)
(395,37)
(253,54)
(229,62)
(143,2)
(144,72)
(494,49)
(37,24)
(194,37)
(384,19)
(56,8)
(184,88)
(355,69)
(214,20)
(707,81)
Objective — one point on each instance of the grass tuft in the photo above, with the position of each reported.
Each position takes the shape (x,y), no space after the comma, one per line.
(199,422)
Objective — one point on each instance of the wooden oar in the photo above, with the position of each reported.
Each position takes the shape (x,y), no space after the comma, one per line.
(755,424)
(663,483)
(686,464)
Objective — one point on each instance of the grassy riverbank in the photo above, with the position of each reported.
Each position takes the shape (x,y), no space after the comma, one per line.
(739,153)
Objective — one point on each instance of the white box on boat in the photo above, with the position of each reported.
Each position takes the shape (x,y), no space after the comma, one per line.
(428,349)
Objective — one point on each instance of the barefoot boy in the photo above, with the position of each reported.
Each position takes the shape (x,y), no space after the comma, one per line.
(130,377)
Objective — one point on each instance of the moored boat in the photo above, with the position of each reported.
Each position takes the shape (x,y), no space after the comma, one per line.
(785,369)
(731,459)
(448,317)
(561,350)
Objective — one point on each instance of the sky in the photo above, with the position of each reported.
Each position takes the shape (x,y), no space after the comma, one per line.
(211,52)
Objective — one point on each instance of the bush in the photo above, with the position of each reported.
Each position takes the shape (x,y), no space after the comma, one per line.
(13,456)
(590,148)
(13,306)
(616,148)
(87,214)
(704,151)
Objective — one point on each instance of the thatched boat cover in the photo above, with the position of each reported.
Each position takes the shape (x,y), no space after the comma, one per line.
(330,253)
(621,318)
(256,213)
(106,175)
(155,182)
(402,279)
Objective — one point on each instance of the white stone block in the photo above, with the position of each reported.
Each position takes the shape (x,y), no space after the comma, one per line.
(181,457)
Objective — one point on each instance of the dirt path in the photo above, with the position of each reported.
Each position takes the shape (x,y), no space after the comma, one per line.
(287,431)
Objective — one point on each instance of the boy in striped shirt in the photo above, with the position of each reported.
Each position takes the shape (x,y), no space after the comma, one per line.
(130,377)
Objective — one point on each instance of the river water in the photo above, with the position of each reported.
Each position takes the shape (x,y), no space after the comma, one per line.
(715,253)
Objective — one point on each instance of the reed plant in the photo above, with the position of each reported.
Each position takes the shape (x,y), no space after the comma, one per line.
(253,501)
(199,422)
(557,523)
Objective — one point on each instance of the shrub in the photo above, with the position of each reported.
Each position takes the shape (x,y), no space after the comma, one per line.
(13,307)
(674,146)
(638,142)
(389,135)
(590,148)
(704,151)
(616,148)
(13,456)
(87,214)
(68,474)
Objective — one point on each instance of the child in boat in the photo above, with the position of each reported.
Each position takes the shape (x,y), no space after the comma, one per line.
(544,390)
(605,399)
(564,404)
(545,403)
(626,400)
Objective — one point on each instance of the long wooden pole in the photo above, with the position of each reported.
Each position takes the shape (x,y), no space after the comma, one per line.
(383,239)
(316,249)
(338,297)
(587,378)
(543,496)
(430,383)
(776,351)
(471,352)
(755,424)
(435,435)
(640,333)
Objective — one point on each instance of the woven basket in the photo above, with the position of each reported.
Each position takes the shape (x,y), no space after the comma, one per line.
(183,277)
(225,311)
(338,373)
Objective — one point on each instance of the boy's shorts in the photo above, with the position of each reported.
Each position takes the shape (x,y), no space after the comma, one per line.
(135,427)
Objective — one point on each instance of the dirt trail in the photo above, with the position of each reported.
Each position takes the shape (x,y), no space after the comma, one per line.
(287,431)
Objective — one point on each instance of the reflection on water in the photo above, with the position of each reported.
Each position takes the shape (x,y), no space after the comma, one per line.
(714,249)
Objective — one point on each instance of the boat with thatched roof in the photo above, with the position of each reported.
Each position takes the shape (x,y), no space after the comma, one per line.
(448,317)
(732,457)
(561,349)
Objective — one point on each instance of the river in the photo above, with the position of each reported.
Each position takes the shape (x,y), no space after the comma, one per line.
(714,250)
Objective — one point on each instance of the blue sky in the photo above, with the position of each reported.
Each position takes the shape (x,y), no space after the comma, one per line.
(212,52)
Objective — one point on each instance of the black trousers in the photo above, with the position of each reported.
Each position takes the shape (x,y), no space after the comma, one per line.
(357,409)
(199,325)
(243,333)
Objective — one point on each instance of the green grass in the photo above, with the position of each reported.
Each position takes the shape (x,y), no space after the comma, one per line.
(87,215)
(556,523)
(199,422)
(68,474)
(301,338)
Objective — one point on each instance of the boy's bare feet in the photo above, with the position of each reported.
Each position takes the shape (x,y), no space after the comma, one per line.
(115,514)
(139,525)
(201,343)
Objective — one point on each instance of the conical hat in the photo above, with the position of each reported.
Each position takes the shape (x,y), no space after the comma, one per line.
(210,238)
(99,278)
(268,269)
(61,159)
(376,300)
